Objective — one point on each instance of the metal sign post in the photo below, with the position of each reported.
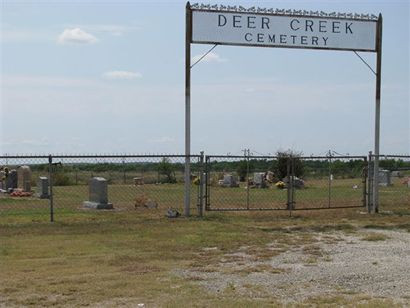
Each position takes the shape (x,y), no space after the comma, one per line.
(188,35)
(262,27)
(375,208)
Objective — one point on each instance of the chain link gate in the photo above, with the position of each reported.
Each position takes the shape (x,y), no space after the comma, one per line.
(246,183)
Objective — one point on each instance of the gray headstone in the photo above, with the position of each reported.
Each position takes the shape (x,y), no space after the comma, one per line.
(151,204)
(297,182)
(229,181)
(259,179)
(98,198)
(2,179)
(171,213)
(138,181)
(42,187)
(24,178)
(384,177)
(396,174)
(11,180)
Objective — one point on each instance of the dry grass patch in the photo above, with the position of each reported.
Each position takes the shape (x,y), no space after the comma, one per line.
(375,237)
(101,258)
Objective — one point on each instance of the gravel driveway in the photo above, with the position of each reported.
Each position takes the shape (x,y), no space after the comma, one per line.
(375,263)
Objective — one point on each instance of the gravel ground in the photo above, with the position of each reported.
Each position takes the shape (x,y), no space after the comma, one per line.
(378,267)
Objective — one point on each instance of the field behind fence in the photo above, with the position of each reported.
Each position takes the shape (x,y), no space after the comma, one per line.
(135,181)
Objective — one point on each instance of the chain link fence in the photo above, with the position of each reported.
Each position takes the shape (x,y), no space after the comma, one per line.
(285,182)
(243,183)
(330,182)
(394,182)
(61,185)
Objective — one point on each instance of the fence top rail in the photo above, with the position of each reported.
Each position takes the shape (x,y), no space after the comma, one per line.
(240,157)
(391,156)
(276,157)
(334,157)
(99,156)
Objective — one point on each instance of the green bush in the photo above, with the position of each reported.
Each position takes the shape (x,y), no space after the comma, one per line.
(281,166)
(61,179)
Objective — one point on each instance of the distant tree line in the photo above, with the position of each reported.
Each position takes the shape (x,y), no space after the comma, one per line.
(279,166)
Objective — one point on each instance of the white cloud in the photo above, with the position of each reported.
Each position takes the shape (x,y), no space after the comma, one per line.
(76,36)
(116,30)
(211,57)
(124,75)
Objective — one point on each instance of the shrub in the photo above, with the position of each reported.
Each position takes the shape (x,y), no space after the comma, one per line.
(166,168)
(61,179)
(281,166)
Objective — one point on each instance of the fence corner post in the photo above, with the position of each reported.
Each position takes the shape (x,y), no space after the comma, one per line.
(50,176)
(370,184)
(201,185)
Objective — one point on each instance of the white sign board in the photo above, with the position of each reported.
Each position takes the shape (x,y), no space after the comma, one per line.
(283,31)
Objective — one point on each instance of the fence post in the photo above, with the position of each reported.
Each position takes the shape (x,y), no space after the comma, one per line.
(201,185)
(207,201)
(365,175)
(330,179)
(50,176)
(289,192)
(247,178)
(292,185)
(370,185)
(124,179)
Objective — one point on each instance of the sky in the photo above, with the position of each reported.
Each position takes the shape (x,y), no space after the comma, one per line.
(95,77)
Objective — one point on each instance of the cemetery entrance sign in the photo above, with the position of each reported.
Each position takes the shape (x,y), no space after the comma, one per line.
(261,27)
(262,30)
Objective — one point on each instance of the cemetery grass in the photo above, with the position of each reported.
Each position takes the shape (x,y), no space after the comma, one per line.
(122,258)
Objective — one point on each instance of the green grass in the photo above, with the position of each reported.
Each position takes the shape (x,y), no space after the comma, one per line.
(128,256)
(124,258)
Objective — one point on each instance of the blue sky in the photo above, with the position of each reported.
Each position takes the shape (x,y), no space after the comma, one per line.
(108,77)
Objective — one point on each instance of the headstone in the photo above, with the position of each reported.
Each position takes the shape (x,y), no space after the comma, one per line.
(172,213)
(42,187)
(384,178)
(2,179)
(138,181)
(11,180)
(98,198)
(396,174)
(229,181)
(24,178)
(259,179)
(151,204)
(270,177)
(297,182)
